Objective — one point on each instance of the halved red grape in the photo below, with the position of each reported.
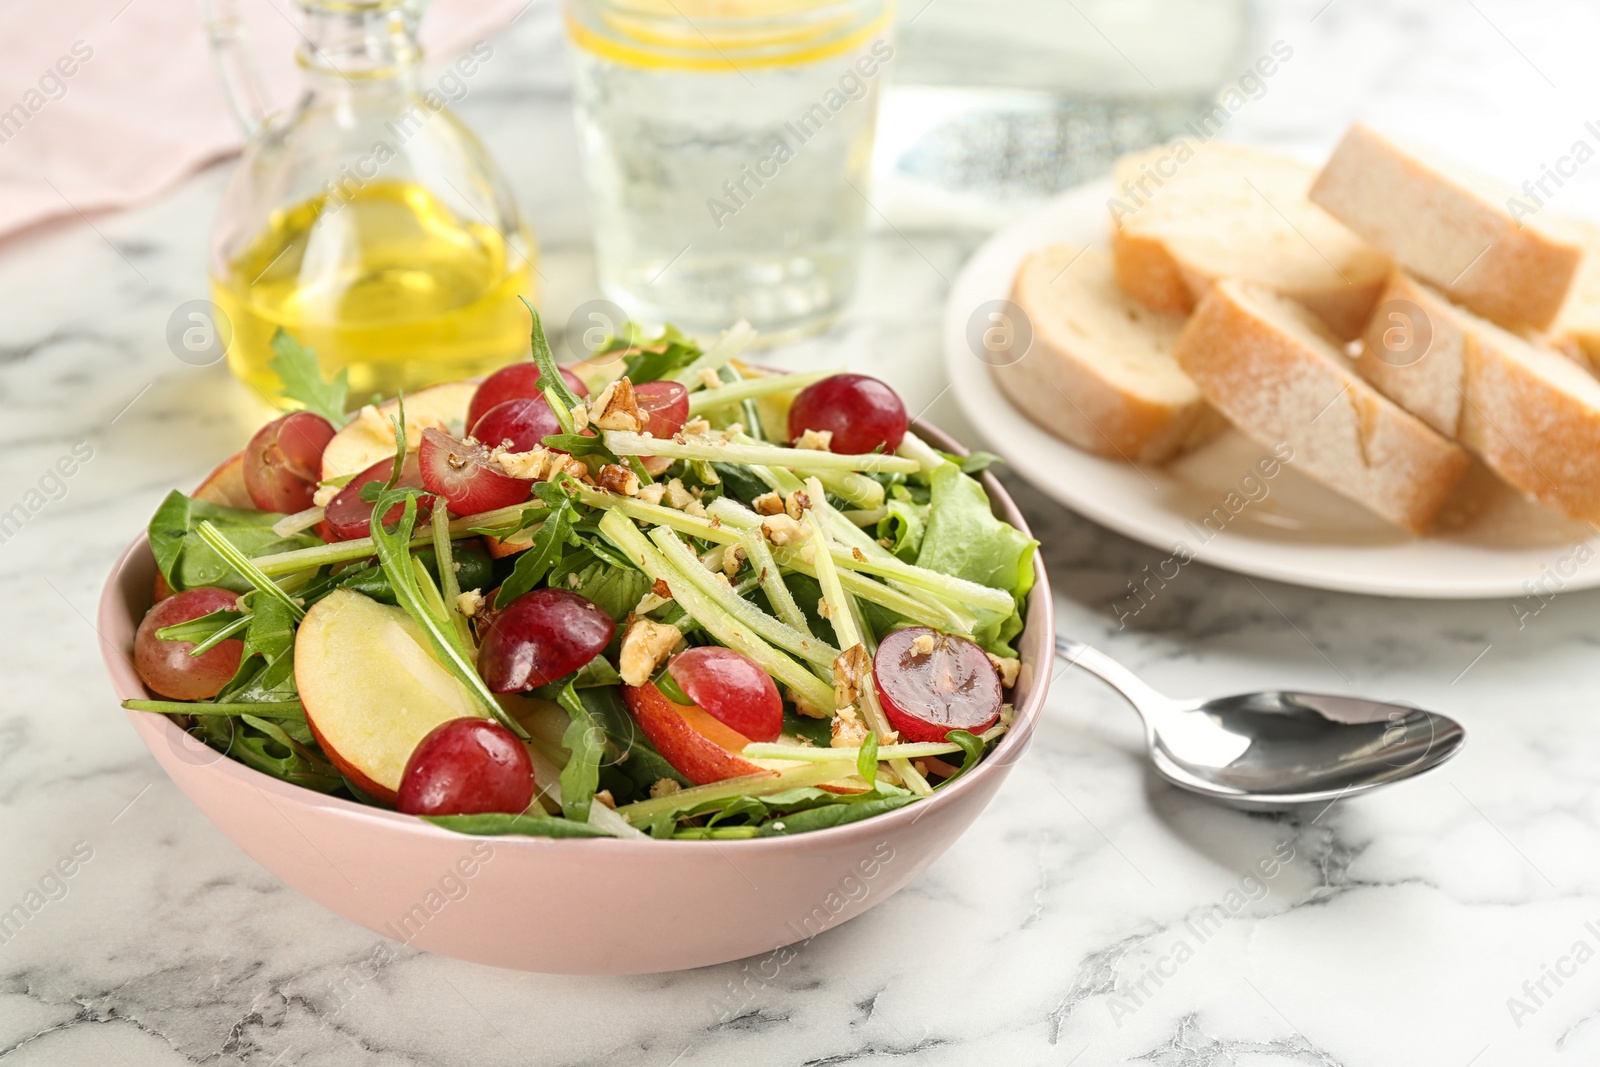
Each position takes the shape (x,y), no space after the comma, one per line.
(466,767)
(349,517)
(520,425)
(283,461)
(663,407)
(732,689)
(931,683)
(516,382)
(463,473)
(541,636)
(862,413)
(166,666)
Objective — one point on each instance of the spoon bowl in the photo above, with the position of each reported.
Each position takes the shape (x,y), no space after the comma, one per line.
(1278,749)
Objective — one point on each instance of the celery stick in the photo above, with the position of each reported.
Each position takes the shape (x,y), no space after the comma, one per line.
(624,443)
(362,547)
(659,515)
(842,614)
(733,340)
(815,754)
(738,392)
(858,489)
(786,637)
(620,531)
(771,577)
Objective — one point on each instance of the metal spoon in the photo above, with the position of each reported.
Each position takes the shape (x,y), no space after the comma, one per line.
(1264,751)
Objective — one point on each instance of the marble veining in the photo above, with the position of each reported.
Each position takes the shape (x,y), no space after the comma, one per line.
(1092,916)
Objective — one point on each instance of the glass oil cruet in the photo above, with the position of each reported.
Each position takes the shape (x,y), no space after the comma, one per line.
(367,221)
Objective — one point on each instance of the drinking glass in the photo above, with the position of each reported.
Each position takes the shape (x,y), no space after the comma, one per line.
(727,145)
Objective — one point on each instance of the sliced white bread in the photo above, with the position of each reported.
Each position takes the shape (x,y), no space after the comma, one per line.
(1449,226)
(1276,371)
(1100,373)
(1576,330)
(1185,215)
(1528,411)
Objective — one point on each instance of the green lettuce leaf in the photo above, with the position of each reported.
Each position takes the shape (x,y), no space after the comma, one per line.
(965,540)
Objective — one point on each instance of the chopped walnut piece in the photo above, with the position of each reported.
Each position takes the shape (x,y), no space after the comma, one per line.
(695,508)
(709,378)
(470,602)
(696,426)
(850,669)
(848,729)
(645,646)
(616,408)
(815,440)
(661,589)
(922,644)
(823,611)
(782,530)
(732,560)
(605,797)
(652,493)
(804,707)
(677,496)
(860,556)
(797,503)
(535,465)
(768,504)
(1007,666)
(664,786)
(616,478)
(580,418)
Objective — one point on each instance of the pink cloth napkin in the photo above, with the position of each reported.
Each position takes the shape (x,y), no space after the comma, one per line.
(104,103)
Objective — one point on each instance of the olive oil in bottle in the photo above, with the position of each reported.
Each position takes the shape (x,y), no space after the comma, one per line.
(386,281)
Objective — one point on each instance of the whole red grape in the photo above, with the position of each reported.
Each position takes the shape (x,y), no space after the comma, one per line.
(467,767)
(862,413)
(541,636)
(166,666)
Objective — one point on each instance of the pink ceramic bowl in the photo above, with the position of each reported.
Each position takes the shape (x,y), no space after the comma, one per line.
(583,906)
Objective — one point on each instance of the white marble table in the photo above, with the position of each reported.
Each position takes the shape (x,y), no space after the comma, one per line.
(1091,916)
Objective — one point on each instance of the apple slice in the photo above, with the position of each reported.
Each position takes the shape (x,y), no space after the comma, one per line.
(225,485)
(371,688)
(702,748)
(698,746)
(366,439)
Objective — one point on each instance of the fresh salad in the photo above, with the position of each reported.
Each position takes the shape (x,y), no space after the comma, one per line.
(659,593)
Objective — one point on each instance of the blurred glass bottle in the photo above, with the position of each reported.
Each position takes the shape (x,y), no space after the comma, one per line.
(1001,102)
(368,221)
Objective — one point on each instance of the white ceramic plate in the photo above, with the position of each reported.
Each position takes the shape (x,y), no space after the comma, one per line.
(1494,544)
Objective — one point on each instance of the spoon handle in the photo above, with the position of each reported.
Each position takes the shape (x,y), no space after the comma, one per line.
(1145,700)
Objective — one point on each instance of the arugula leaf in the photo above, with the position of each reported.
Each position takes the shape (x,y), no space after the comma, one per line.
(271,630)
(836,814)
(394,555)
(260,751)
(548,543)
(186,561)
(971,752)
(550,379)
(297,368)
(204,627)
(270,681)
(658,357)
(495,824)
(578,444)
(585,739)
